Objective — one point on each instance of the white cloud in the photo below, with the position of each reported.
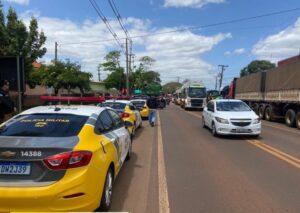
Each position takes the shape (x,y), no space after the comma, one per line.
(238,51)
(190,3)
(21,2)
(279,46)
(177,54)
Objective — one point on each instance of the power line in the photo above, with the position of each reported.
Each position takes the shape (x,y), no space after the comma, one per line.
(222,23)
(104,19)
(197,27)
(117,14)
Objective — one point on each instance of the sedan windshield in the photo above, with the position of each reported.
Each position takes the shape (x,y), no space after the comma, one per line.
(44,125)
(138,104)
(235,106)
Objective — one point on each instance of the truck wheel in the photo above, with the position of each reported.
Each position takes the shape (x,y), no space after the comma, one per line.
(298,120)
(290,118)
(261,112)
(269,113)
(255,108)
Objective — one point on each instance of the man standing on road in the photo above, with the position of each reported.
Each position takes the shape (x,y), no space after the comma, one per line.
(7,106)
(152,104)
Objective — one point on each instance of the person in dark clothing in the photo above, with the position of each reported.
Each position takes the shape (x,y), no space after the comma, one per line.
(7,106)
(152,103)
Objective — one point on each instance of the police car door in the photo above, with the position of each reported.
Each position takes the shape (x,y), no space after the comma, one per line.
(107,126)
(122,133)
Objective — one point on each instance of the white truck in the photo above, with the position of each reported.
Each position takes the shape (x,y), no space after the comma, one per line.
(193,95)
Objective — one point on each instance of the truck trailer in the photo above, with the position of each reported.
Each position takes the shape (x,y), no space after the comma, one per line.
(273,94)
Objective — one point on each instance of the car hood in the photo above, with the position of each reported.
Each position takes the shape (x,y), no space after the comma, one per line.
(237,115)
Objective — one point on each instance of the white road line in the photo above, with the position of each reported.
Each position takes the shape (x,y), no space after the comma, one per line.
(163,197)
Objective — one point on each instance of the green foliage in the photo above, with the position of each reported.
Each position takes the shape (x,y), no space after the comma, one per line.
(62,75)
(256,66)
(139,78)
(171,87)
(15,40)
(117,80)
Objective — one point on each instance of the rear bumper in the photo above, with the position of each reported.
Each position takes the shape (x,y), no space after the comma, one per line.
(53,197)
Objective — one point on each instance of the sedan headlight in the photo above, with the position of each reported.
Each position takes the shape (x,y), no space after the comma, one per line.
(222,120)
(256,121)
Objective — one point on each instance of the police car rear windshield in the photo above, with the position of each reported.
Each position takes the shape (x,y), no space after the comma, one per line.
(138,104)
(44,125)
(115,105)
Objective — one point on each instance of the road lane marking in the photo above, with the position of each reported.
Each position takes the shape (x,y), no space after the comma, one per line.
(277,153)
(263,124)
(163,197)
(281,128)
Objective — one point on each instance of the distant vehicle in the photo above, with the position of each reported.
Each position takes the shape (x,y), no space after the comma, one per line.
(141,105)
(61,158)
(272,94)
(212,94)
(127,111)
(230,117)
(193,95)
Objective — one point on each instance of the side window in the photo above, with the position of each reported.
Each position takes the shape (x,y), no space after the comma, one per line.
(210,106)
(132,107)
(118,122)
(104,123)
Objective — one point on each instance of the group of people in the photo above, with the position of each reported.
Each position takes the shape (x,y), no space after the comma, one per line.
(7,106)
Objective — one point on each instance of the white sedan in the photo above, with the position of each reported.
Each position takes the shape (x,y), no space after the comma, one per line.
(230,117)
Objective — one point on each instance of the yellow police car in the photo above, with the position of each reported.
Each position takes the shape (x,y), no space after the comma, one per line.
(61,158)
(141,105)
(127,111)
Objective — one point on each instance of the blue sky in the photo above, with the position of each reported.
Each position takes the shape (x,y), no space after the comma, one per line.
(192,54)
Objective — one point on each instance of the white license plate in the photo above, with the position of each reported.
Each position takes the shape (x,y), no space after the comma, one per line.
(14,168)
(242,130)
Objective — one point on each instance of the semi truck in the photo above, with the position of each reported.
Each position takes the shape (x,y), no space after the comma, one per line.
(273,94)
(192,95)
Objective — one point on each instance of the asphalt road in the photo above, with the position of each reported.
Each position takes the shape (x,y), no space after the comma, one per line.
(178,166)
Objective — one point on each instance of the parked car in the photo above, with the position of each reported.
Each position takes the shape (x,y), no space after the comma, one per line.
(231,117)
(61,158)
(141,105)
(127,111)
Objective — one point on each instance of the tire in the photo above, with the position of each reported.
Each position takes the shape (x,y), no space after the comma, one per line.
(107,191)
(214,130)
(129,153)
(269,113)
(261,112)
(298,120)
(203,123)
(255,108)
(290,118)
(256,136)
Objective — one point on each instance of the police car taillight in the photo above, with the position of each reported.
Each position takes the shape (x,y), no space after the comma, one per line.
(68,160)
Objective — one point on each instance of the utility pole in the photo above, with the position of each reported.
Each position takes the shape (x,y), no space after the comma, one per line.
(130,55)
(99,79)
(55,54)
(222,72)
(127,68)
(216,86)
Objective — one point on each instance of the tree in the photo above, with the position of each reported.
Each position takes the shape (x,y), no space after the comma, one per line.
(256,66)
(112,61)
(16,40)
(62,75)
(171,87)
